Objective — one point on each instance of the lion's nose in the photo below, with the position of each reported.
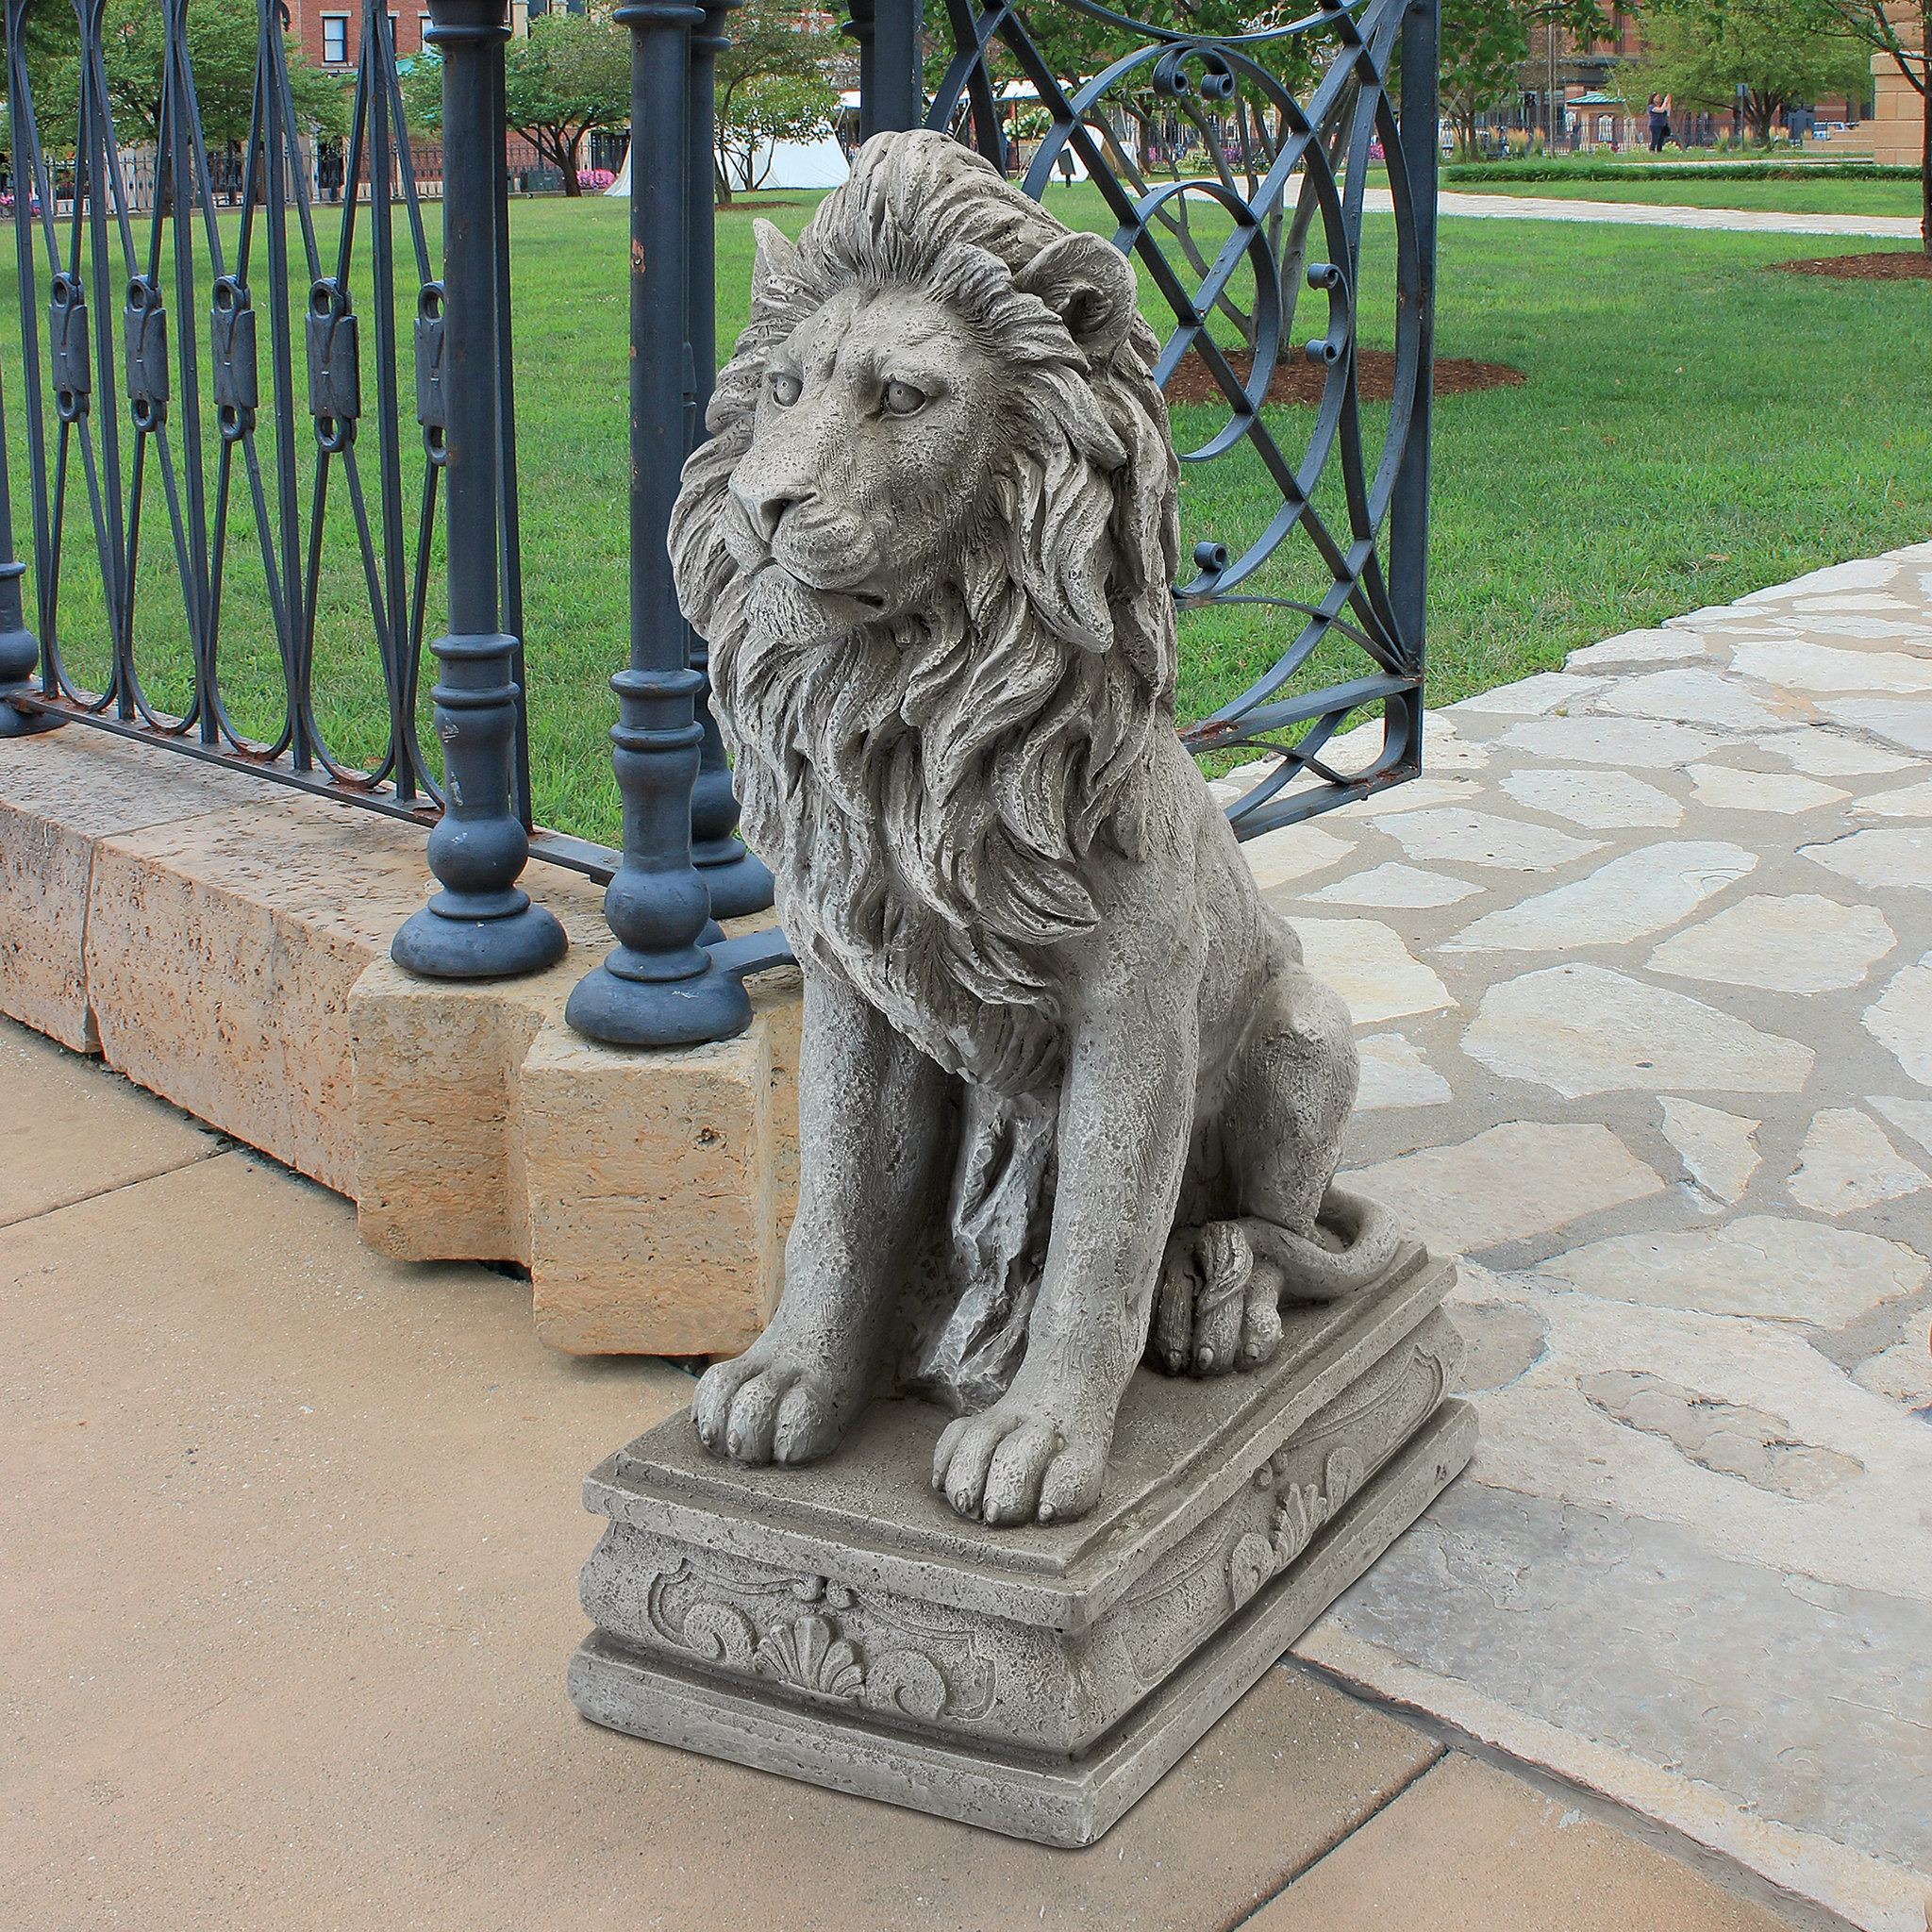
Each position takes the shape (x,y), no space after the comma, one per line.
(767,507)
(771,513)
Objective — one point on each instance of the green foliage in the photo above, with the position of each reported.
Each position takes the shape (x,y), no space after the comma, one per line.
(222,42)
(1483,42)
(1779,52)
(769,108)
(571,75)
(1501,173)
(1870,22)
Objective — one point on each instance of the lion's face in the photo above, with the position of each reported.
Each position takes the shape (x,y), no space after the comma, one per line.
(875,440)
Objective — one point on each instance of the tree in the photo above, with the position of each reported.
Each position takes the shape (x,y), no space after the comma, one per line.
(1870,22)
(765,108)
(1485,41)
(571,75)
(222,47)
(771,84)
(1779,53)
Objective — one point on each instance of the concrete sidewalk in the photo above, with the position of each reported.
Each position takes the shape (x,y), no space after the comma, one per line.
(1643,214)
(291,1533)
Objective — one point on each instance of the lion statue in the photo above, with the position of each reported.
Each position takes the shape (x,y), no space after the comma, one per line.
(1064,1079)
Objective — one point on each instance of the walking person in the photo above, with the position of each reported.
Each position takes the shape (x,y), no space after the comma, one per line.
(1660,121)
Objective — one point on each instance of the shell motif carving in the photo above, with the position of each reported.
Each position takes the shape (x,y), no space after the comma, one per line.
(808,1654)
(806,1632)
(1300,1510)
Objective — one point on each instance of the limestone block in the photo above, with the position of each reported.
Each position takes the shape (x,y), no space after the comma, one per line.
(649,1193)
(438,1121)
(60,793)
(220,952)
(651,1182)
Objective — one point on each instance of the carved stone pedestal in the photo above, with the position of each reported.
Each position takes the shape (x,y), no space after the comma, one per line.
(840,1625)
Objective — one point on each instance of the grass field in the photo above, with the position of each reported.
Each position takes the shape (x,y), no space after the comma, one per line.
(1692,428)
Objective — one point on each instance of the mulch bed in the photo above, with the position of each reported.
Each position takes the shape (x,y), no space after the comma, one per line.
(1888,265)
(1298,380)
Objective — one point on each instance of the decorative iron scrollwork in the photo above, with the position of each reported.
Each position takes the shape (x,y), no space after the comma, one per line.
(335,369)
(1282,128)
(231,337)
(431,410)
(71,371)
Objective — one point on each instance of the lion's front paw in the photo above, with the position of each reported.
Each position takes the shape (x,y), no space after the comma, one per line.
(765,1408)
(1218,1307)
(1019,1463)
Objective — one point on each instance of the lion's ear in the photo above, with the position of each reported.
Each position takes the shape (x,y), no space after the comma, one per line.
(1089,285)
(775,266)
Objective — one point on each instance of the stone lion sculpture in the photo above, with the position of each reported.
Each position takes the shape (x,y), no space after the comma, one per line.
(1064,1079)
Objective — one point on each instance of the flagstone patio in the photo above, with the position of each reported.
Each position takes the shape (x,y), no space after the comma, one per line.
(1643,971)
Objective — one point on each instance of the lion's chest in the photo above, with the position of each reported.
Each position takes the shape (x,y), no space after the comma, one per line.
(937,988)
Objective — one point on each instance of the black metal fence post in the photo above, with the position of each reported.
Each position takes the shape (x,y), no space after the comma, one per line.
(895,98)
(659,987)
(1409,506)
(738,882)
(482,925)
(19,651)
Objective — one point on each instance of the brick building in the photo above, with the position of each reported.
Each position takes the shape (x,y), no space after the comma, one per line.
(328,32)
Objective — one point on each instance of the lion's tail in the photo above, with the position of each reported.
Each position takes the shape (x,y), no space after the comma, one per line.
(1362,1237)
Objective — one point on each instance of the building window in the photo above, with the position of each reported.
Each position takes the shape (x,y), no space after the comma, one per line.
(422,31)
(335,39)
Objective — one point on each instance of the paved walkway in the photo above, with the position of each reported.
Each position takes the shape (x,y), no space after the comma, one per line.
(1642,967)
(1643,214)
(291,1535)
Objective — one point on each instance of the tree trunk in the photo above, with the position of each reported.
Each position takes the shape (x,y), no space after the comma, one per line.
(571,184)
(720,184)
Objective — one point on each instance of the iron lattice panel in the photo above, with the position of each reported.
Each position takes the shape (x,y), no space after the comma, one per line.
(1284,194)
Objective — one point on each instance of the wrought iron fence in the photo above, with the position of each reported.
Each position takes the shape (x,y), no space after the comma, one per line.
(1235,166)
(1233,194)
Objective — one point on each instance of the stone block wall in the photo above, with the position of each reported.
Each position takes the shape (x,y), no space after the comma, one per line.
(224,942)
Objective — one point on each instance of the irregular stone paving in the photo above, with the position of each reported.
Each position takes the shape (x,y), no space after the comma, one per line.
(1643,970)
(1646,214)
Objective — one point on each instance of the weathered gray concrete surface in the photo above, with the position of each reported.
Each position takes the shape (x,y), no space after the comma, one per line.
(292,1535)
(1671,1107)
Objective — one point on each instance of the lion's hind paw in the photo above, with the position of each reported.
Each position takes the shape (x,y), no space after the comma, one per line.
(1217,1307)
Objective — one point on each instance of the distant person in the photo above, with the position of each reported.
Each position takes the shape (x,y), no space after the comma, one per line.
(1660,121)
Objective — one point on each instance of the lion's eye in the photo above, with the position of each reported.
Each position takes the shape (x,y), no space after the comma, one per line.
(785,387)
(901,399)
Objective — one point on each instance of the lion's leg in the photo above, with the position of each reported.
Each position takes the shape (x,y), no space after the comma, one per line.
(874,1116)
(1124,1111)
(1288,1103)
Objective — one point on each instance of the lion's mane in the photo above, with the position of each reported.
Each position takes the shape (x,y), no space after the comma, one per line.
(927,791)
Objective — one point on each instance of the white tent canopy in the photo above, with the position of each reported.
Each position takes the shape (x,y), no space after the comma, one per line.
(789,164)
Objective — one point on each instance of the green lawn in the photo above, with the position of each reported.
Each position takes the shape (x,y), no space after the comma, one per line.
(1833,195)
(1693,428)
